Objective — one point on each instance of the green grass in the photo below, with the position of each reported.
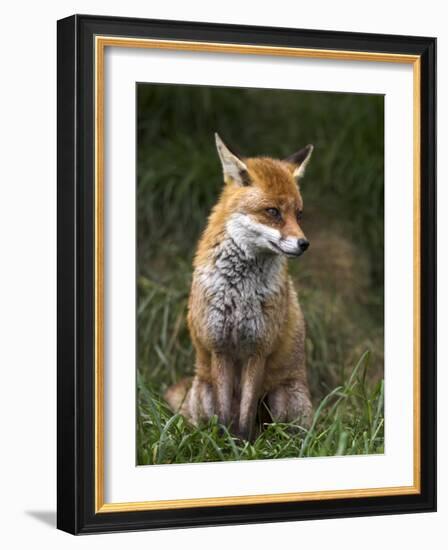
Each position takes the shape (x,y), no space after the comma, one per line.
(339,280)
(348,421)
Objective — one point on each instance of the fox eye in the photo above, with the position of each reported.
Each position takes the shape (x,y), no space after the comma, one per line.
(299,215)
(274,212)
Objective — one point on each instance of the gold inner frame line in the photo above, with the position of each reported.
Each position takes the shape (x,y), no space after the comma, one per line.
(101,42)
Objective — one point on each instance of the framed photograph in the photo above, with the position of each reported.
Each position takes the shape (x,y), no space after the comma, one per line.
(246,274)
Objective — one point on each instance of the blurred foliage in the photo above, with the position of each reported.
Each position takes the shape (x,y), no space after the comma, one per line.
(340,278)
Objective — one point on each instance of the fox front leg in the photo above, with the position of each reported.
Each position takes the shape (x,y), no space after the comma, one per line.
(223,375)
(251,384)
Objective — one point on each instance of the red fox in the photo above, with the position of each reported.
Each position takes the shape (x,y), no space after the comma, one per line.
(244,316)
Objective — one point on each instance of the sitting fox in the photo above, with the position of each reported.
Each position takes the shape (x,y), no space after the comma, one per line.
(244,317)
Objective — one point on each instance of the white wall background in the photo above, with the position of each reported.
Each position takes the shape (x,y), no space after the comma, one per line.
(28,271)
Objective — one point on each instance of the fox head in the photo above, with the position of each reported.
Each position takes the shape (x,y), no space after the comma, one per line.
(262,201)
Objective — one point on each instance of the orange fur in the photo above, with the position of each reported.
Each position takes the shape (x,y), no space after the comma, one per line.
(231,378)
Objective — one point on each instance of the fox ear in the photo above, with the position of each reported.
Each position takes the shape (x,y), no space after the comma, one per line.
(233,167)
(300,160)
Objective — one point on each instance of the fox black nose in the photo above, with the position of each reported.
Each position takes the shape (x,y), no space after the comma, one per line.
(303,244)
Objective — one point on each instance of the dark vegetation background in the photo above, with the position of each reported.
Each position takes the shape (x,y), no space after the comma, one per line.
(340,278)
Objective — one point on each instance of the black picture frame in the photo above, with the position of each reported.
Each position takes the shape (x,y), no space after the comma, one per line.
(76,225)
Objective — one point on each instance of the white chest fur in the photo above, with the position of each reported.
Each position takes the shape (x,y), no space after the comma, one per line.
(236,288)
